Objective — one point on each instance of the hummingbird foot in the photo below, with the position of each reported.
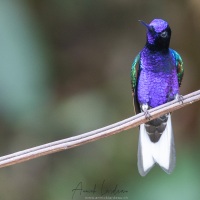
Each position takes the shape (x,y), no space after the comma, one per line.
(144,108)
(179,98)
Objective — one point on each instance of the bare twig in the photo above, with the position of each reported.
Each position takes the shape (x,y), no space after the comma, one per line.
(91,136)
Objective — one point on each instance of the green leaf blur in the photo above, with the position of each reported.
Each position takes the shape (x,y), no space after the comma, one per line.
(64,70)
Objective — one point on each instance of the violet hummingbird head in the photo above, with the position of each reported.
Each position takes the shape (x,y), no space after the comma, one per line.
(158,34)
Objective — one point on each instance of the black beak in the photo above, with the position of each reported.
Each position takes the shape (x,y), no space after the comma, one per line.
(150,28)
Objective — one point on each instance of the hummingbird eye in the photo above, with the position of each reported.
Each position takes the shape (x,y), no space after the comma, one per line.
(164,34)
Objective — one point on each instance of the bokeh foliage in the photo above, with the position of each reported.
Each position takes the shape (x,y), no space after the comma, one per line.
(64,70)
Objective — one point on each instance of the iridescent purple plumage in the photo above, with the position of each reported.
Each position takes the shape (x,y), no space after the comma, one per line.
(157,83)
(159,26)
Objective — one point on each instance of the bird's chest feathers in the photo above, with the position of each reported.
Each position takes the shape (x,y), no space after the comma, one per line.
(157,79)
(157,62)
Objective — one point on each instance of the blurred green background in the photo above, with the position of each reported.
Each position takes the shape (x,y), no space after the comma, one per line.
(64,70)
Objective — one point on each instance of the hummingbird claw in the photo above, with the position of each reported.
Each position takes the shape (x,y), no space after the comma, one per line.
(179,98)
(147,115)
(144,108)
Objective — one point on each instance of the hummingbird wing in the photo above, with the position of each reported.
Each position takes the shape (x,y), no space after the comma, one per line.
(135,70)
(179,65)
(180,70)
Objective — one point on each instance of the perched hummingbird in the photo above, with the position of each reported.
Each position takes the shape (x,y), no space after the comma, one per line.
(156,80)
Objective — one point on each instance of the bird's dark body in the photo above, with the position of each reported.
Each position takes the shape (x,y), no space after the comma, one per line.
(156,127)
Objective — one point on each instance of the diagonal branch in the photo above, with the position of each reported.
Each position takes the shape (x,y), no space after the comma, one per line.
(91,136)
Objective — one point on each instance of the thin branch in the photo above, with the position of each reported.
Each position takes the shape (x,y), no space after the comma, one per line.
(91,136)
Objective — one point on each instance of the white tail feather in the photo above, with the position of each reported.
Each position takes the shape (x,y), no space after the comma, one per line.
(161,152)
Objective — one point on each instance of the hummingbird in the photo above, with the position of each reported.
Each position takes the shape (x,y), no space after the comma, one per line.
(156,76)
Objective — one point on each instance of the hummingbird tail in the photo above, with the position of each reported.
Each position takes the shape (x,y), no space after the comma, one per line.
(161,152)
